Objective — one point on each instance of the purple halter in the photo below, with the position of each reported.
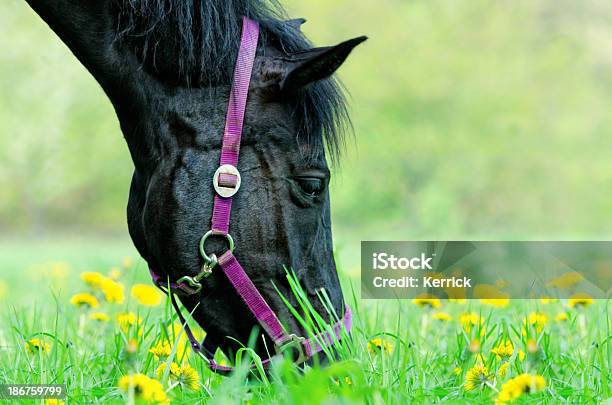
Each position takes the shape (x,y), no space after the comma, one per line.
(226,182)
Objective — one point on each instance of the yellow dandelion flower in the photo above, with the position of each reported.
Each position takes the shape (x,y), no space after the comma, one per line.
(442,316)
(455,294)
(59,270)
(174,370)
(114,273)
(531,383)
(146,295)
(161,351)
(143,388)
(92,279)
(54,402)
(127,262)
(535,320)
(503,350)
(184,375)
(566,280)
(347,381)
(561,317)
(477,378)
(458,300)
(471,319)
(532,346)
(378,345)
(499,283)
(99,316)
(580,301)
(508,393)
(113,291)
(503,369)
(84,300)
(427,300)
(496,302)
(189,377)
(546,301)
(128,320)
(521,355)
(490,294)
(517,386)
(474,346)
(37,345)
(132,346)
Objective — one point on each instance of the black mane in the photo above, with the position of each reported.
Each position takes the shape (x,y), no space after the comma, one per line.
(201,38)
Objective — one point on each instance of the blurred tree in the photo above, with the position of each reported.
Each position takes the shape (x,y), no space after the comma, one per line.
(473,119)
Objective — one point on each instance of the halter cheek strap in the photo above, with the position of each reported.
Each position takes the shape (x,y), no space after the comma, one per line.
(226,182)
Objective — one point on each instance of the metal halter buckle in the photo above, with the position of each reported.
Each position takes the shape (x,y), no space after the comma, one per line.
(293,342)
(212,259)
(206,271)
(210,262)
(226,190)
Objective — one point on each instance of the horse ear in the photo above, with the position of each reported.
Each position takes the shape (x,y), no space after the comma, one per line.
(296,23)
(316,64)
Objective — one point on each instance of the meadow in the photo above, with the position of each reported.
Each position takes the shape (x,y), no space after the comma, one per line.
(489,121)
(98,327)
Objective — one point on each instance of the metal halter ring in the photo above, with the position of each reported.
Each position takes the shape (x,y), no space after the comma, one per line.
(296,344)
(212,259)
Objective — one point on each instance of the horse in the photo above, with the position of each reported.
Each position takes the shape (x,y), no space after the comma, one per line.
(166,66)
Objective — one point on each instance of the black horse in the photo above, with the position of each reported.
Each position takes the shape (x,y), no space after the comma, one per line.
(166,66)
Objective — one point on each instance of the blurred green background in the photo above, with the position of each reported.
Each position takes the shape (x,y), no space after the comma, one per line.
(474,119)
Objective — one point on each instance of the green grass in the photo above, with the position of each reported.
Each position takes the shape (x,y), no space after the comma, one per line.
(423,360)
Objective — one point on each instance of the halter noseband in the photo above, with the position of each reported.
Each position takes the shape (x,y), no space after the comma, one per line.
(226,182)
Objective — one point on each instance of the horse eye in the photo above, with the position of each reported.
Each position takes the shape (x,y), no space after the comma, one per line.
(311,186)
